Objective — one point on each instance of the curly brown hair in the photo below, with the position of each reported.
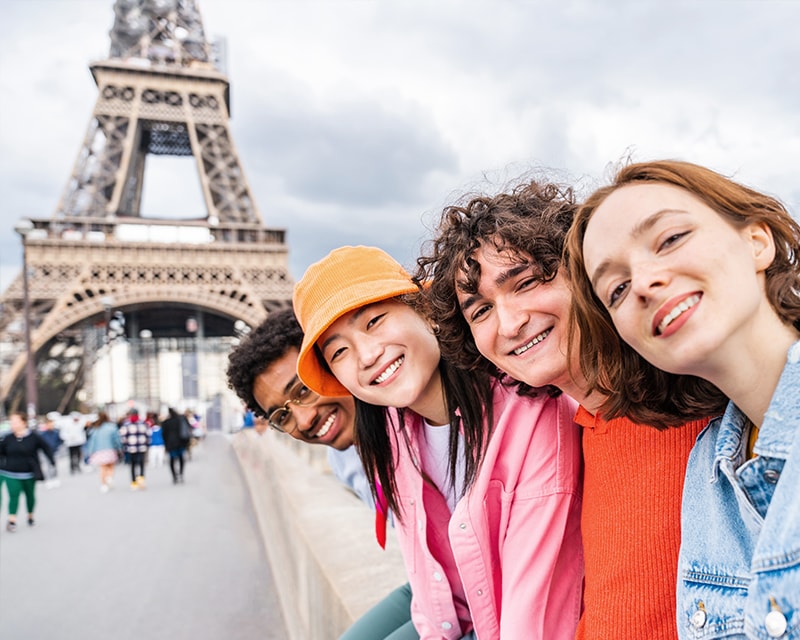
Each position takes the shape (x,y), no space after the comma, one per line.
(529,223)
(265,344)
(613,367)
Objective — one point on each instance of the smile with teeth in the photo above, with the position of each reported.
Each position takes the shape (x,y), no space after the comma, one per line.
(389,370)
(326,426)
(535,341)
(676,312)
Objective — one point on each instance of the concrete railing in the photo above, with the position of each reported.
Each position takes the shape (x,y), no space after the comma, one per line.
(318,536)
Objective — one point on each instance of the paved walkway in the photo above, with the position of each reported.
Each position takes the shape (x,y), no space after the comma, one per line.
(169,562)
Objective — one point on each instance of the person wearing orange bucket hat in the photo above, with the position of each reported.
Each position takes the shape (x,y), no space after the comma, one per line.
(483,481)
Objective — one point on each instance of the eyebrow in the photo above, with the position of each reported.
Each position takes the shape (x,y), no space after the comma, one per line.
(640,228)
(500,280)
(351,320)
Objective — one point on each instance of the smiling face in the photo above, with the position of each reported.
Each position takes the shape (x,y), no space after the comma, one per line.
(329,421)
(386,354)
(683,286)
(519,322)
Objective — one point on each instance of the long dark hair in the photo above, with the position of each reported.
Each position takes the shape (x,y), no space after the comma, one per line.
(468,396)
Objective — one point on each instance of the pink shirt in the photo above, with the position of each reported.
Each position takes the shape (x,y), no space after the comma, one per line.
(509,561)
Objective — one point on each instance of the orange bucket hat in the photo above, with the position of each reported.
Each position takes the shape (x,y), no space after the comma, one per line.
(344,280)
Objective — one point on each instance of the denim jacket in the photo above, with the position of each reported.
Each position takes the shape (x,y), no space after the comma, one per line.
(739,564)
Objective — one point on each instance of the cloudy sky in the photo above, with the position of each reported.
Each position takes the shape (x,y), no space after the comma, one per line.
(357,121)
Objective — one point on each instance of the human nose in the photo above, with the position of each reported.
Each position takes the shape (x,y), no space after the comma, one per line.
(509,320)
(303,416)
(647,276)
(369,350)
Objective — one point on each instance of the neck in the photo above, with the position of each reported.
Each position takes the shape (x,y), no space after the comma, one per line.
(748,373)
(575,386)
(431,404)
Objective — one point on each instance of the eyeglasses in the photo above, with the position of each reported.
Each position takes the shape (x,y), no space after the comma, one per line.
(282,419)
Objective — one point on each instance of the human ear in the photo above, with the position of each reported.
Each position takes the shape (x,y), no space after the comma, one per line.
(763,243)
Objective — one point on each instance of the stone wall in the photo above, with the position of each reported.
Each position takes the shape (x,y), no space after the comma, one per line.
(318,536)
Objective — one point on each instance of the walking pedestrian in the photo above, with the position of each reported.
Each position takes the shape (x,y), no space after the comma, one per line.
(135,438)
(20,467)
(155,454)
(104,449)
(177,436)
(52,436)
(73,431)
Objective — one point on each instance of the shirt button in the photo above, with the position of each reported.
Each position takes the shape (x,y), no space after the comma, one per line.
(480,592)
(775,622)
(772,476)
(463,525)
(699,618)
(446,626)
(437,576)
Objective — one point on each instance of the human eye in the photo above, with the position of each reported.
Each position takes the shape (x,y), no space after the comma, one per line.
(373,320)
(279,417)
(300,392)
(617,293)
(334,354)
(671,240)
(528,283)
(479,312)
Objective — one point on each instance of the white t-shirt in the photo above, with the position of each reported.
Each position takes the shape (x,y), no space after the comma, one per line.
(434,448)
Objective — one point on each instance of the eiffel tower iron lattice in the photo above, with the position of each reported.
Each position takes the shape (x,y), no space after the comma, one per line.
(160,92)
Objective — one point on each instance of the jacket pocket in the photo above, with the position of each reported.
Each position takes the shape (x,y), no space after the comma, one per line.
(711,604)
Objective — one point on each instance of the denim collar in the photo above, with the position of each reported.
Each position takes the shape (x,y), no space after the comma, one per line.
(776,435)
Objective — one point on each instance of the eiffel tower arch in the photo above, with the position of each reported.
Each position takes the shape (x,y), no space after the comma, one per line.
(160,93)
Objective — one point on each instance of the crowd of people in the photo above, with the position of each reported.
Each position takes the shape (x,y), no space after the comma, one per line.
(579,416)
(29,449)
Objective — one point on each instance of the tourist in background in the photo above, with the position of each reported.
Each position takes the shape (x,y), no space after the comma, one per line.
(52,436)
(177,435)
(104,449)
(135,437)
(20,466)
(155,454)
(73,431)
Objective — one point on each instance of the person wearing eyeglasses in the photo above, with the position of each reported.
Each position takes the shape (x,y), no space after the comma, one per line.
(262,371)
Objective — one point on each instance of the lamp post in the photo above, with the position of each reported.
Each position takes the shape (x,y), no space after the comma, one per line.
(23,228)
(108,303)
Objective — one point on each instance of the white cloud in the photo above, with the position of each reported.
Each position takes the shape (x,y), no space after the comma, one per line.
(356,121)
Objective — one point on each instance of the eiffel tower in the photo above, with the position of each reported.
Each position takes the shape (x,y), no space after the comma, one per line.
(160,93)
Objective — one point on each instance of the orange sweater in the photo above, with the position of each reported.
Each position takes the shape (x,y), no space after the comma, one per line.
(633,483)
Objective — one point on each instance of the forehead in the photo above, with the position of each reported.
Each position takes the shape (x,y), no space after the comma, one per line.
(270,387)
(349,320)
(632,202)
(486,264)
